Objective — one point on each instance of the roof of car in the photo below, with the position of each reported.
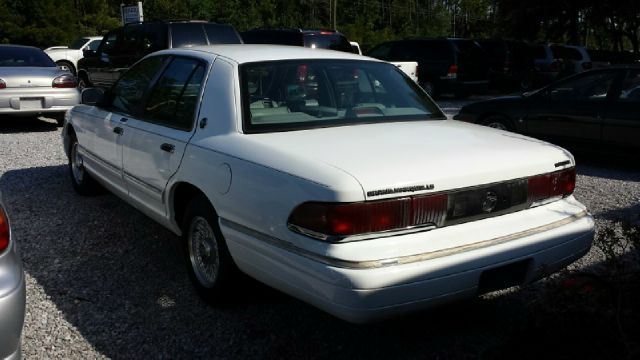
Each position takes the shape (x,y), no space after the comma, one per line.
(247,53)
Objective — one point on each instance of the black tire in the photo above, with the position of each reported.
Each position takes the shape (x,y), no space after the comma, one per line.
(69,65)
(81,181)
(498,122)
(83,81)
(209,263)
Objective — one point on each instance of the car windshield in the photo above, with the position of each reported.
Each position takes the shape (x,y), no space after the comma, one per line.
(76,45)
(330,41)
(15,56)
(303,94)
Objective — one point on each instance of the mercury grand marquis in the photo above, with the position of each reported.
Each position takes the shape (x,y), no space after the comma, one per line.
(330,176)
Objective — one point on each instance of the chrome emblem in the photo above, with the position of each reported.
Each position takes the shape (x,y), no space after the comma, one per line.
(490,201)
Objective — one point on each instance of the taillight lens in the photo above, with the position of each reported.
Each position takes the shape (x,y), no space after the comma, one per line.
(453,71)
(547,186)
(65,81)
(326,220)
(4,230)
(3,85)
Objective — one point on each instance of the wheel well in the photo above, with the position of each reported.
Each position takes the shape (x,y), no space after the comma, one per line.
(183,193)
(67,63)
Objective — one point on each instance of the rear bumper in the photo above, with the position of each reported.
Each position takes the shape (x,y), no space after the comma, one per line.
(425,280)
(34,101)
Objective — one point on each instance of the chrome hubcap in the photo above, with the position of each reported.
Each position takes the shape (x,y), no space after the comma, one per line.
(77,166)
(497,125)
(203,251)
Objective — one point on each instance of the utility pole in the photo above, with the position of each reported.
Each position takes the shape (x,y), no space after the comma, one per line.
(335,15)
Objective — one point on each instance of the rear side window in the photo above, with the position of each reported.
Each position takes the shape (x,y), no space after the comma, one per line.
(93,45)
(154,37)
(434,50)
(174,98)
(222,34)
(185,35)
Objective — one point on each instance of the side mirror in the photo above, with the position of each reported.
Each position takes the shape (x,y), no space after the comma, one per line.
(88,53)
(92,96)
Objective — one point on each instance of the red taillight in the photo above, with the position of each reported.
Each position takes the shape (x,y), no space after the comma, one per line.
(453,71)
(587,65)
(555,184)
(65,81)
(3,85)
(4,230)
(339,220)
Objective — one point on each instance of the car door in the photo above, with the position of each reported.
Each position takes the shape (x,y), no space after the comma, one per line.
(153,151)
(571,109)
(621,123)
(99,67)
(122,102)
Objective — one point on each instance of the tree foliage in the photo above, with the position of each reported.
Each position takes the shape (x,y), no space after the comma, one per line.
(598,24)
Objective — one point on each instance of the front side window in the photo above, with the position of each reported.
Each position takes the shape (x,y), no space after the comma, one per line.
(110,41)
(128,92)
(631,88)
(591,87)
(302,94)
(78,43)
(94,44)
(174,98)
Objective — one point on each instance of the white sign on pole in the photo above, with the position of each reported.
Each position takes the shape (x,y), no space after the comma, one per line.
(131,13)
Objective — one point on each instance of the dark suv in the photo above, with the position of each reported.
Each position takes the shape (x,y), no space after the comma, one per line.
(457,66)
(510,63)
(311,38)
(123,46)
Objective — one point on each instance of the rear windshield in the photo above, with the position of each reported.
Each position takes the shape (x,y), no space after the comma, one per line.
(190,34)
(222,34)
(303,94)
(13,56)
(469,48)
(330,41)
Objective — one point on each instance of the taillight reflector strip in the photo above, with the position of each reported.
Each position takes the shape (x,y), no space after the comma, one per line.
(347,219)
(556,184)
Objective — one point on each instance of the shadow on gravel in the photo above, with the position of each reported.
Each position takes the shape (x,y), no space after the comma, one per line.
(115,276)
(13,124)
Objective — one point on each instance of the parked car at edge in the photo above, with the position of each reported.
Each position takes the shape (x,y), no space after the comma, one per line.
(69,56)
(12,291)
(32,84)
(457,66)
(328,176)
(123,46)
(510,63)
(597,107)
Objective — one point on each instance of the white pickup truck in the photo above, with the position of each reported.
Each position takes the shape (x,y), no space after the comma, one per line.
(408,67)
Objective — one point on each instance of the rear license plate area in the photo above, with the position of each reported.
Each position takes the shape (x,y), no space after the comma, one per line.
(30,103)
(503,277)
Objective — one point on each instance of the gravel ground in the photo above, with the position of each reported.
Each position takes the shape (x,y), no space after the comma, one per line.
(104,281)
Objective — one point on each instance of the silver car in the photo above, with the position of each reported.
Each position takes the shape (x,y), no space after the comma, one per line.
(32,84)
(12,291)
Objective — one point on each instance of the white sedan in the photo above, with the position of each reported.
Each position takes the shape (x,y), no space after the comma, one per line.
(329,176)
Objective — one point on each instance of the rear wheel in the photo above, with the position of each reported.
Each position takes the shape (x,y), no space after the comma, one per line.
(81,181)
(83,81)
(209,262)
(498,122)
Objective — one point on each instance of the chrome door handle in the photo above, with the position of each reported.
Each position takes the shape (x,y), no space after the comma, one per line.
(168,147)
(118,130)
